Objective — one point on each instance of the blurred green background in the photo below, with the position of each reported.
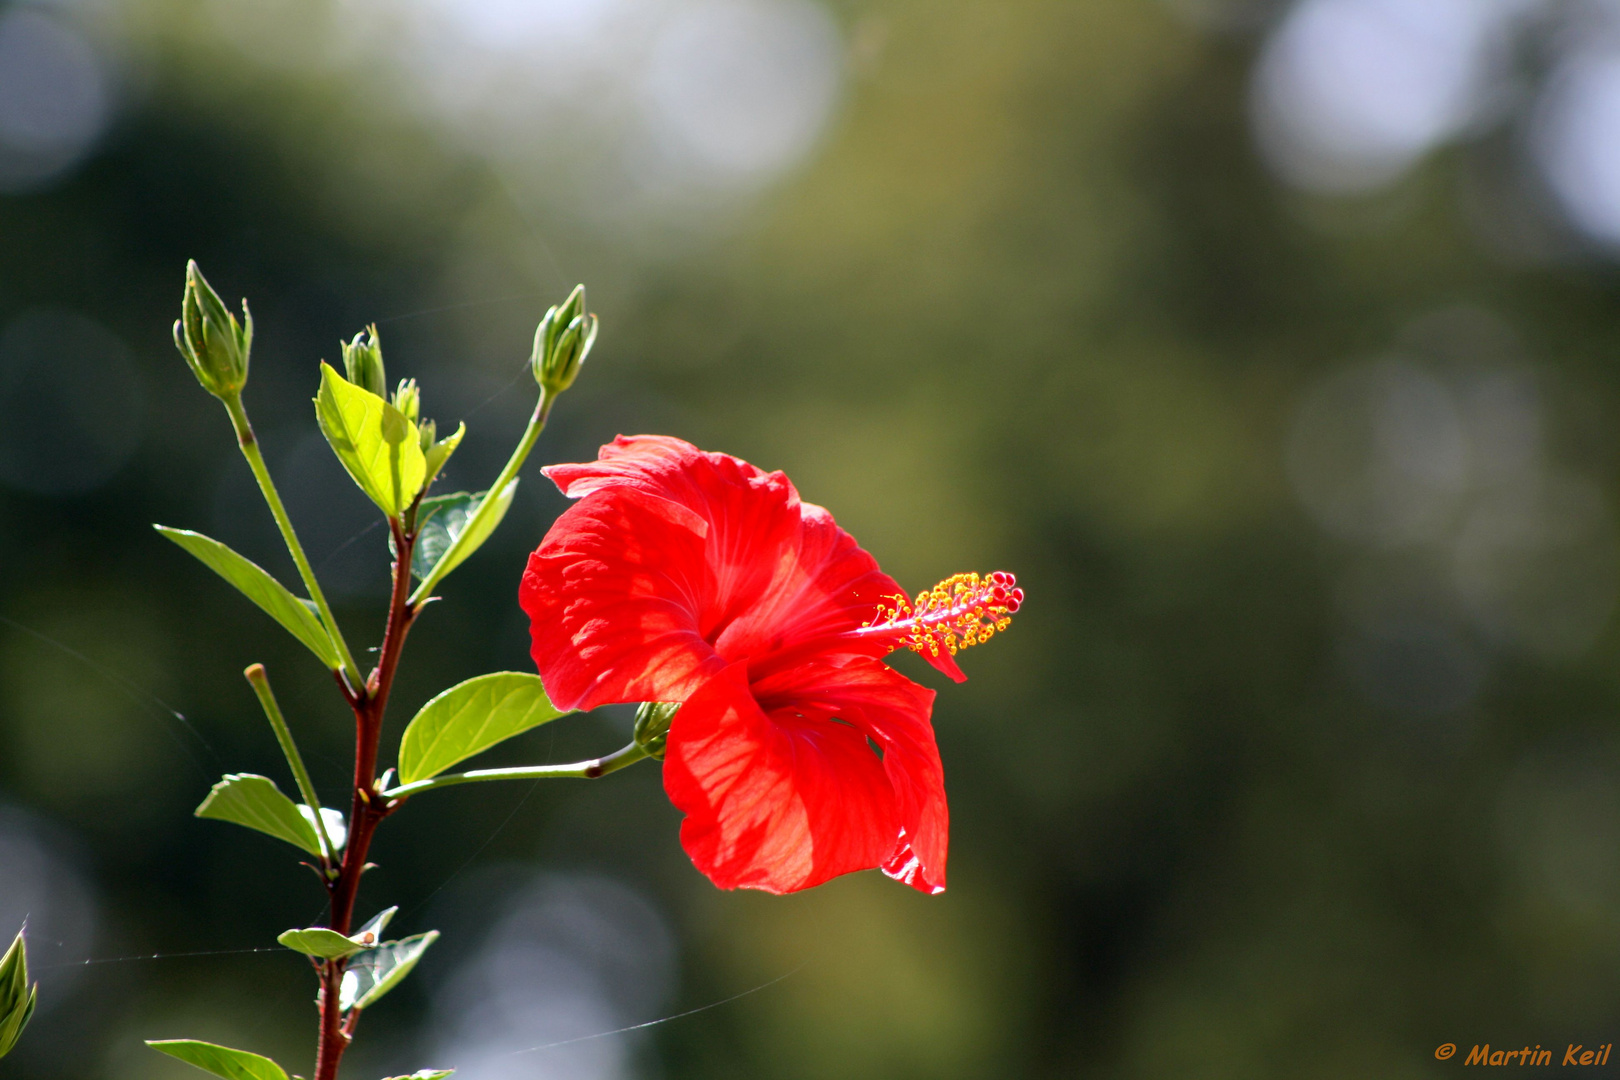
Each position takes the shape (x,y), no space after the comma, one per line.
(1271,345)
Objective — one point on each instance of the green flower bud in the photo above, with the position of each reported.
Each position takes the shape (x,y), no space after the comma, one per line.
(208,336)
(408,399)
(652,725)
(561,342)
(429,434)
(363,362)
(16,996)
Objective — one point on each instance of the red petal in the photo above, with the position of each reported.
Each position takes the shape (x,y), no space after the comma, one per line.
(786,800)
(944,663)
(894,712)
(613,595)
(651,462)
(828,586)
(780,572)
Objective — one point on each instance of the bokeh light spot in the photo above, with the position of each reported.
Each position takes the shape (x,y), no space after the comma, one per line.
(53,98)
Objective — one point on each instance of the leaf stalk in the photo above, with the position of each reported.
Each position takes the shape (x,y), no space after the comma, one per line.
(580,770)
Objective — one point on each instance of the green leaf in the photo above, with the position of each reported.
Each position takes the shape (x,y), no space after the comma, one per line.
(328,944)
(274,598)
(375,927)
(337,830)
(469,718)
(439,521)
(436,455)
(16,996)
(256,802)
(375,442)
(220,1060)
(372,974)
(424,1074)
(445,541)
(322,942)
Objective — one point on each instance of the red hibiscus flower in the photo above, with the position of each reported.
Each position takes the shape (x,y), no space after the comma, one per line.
(692,577)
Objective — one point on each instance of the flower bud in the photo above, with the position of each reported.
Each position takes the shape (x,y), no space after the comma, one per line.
(208,336)
(428,434)
(652,725)
(16,996)
(561,342)
(408,399)
(363,362)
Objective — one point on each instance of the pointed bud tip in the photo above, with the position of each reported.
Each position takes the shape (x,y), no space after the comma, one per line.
(209,338)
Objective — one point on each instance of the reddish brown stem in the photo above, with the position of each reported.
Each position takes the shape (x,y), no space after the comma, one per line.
(366,809)
(332,1041)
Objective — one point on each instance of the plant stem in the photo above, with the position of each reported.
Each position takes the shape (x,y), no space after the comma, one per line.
(368,808)
(260,681)
(583,770)
(249,445)
(537,424)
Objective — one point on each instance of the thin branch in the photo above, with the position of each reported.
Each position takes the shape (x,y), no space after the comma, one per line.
(537,424)
(580,770)
(260,681)
(249,444)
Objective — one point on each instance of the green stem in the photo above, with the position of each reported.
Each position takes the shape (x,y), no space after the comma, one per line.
(583,770)
(537,424)
(255,459)
(260,682)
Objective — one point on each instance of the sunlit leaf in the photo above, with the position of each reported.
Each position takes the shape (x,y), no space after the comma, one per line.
(256,802)
(372,974)
(378,446)
(447,531)
(424,1074)
(337,830)
(469,718)
(220,1060)
(322,942)
(274,598)
(436,455)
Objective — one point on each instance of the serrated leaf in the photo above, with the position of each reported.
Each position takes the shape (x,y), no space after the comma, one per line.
(322,942)
(372,974)
(436,455)
(378,446)
(469,718)
(424,1074)
(294,613)
(220,1060)
(256,802)
(452,536)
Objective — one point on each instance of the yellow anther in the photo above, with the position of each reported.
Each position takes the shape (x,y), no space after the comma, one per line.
(962,611)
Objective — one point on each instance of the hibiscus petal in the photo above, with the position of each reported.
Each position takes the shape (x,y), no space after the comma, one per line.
(780,802)
(613,595)
(881,703)
(784,573)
